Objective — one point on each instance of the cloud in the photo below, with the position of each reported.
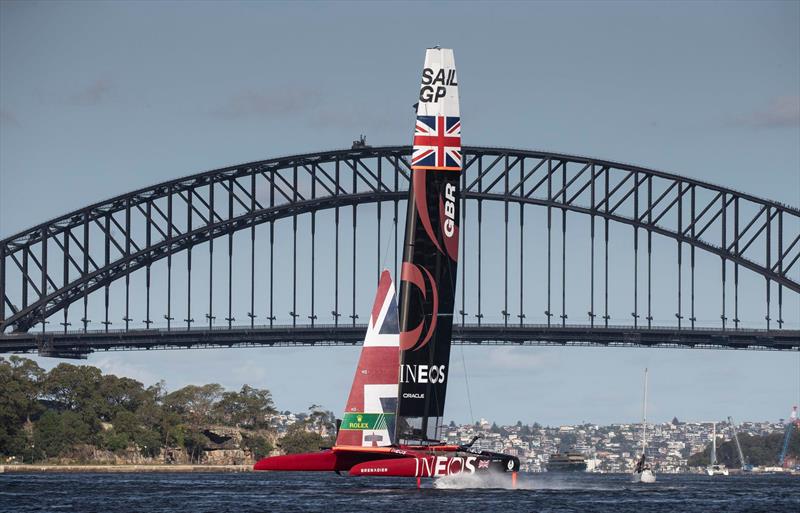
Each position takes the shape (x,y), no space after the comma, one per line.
(8,118)
(282,103)
(93,94)
(782,111)
(115,365)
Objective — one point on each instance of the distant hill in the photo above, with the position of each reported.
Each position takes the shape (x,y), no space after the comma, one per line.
(758,450)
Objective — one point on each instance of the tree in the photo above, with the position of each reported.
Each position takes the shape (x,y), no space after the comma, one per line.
(260,446)
(121,394)
(194,441)
(758,450)
(56,432)
(249,407)
(20,388)
(195,404)
(127,426)
(323,422)
(112,441)
(77,388)
(149,442)
(297,440)
(73,387)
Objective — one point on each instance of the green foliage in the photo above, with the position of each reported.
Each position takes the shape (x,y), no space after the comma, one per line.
(149,442)
(121,394)
(248,407)
(757,450)
(46,414)
(194,441)
(113,441)
(195,404)
(297,440)
(322,421)
(57,431)
(260,446)
(20,381)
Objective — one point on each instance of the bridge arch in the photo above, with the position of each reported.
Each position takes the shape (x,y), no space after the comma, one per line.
(63,260)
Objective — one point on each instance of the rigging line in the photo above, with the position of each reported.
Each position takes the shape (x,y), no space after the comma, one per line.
(466,381)
(385,256)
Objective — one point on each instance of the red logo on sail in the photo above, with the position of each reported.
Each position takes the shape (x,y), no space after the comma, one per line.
(413,339)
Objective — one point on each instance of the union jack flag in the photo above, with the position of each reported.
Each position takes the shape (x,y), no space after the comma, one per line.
(483,463)
(437,143)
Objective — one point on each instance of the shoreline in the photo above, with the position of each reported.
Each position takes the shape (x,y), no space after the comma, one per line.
(39,469)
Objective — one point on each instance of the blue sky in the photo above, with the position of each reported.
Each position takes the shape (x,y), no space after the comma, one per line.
(97,99)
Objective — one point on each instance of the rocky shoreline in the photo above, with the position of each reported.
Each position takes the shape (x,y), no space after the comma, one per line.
(38,469)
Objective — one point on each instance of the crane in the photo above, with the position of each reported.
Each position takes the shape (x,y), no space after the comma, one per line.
(745,467)
(790,425)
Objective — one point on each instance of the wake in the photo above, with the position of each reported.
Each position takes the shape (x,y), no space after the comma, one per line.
(524,482)
(462,481)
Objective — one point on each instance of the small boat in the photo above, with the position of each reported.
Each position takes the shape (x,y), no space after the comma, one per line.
(642,472)
(714,468)
(717,470)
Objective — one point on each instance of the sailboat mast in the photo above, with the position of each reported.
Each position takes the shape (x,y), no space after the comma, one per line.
(713,443)
(430,251)
(644,414)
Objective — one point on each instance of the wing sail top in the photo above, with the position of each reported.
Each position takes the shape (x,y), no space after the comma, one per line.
(369,417)
(430,255)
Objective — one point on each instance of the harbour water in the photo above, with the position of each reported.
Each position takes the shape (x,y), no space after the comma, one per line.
(288,492)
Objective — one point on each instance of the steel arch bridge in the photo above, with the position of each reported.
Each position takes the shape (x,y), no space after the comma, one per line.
(343,207)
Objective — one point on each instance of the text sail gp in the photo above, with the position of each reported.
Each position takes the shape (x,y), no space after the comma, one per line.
(430,253)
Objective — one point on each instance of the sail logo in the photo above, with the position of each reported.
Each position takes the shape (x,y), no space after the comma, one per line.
(423,374)
(444,466)
(449,209)
(414,339)
(369,421)
(434,84)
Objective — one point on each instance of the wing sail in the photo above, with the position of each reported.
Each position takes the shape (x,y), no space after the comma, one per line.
(430,255)
(369,417)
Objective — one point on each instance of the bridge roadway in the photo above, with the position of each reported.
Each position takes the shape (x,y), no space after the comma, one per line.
(78,344)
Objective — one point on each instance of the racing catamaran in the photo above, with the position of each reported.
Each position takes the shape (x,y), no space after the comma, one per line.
(392,422)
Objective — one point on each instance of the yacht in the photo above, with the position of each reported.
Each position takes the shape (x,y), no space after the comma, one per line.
(714,468)
(643,472)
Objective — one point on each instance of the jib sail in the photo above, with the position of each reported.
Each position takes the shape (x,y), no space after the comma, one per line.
(369,417)
(430,254)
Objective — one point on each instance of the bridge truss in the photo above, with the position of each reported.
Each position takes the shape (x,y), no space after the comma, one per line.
(308,234)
